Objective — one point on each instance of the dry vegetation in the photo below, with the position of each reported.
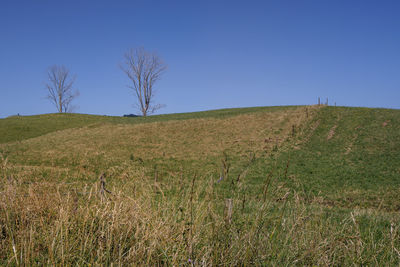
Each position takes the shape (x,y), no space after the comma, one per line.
(188,139)
(178,193)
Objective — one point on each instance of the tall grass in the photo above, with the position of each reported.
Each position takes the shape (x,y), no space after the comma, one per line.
(149,222)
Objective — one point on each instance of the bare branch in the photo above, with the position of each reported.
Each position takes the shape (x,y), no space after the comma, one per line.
(60,88)
(144,70)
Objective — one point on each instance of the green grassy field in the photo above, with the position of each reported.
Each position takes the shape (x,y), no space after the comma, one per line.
(297,185)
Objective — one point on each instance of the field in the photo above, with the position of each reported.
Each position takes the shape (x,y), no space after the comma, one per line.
(296,185)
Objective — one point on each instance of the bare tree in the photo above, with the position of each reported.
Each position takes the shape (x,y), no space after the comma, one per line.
(59,87)
(144,69)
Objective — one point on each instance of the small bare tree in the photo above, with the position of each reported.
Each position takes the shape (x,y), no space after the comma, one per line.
(59,88)
(144,69)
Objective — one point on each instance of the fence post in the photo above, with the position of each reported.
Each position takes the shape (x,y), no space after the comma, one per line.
(228,210)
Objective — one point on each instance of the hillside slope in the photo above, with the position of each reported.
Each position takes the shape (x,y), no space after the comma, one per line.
(306,185)
(198,138)
(17,128)
(351,156)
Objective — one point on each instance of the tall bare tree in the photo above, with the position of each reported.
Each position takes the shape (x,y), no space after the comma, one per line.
(60,88)
(144,69)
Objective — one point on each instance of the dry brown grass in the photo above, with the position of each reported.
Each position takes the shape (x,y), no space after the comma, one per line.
(46,223)
(331,132)
(193,139)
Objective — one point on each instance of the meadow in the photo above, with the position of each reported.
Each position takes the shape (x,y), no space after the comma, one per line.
(295,185)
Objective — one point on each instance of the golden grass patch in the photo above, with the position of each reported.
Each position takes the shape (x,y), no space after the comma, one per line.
(191,139)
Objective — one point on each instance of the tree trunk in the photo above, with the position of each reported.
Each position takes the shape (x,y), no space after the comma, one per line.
(60,108)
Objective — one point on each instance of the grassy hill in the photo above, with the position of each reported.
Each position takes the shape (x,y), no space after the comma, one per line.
(304,185)
(352,157)
(17,128)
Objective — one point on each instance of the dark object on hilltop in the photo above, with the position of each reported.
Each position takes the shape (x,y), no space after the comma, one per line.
(131,115)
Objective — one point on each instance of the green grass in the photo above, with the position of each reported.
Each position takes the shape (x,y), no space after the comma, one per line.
(19,128)
(308,186)
(359,166)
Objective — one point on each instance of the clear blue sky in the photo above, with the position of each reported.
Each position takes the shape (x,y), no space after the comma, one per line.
(219,53)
